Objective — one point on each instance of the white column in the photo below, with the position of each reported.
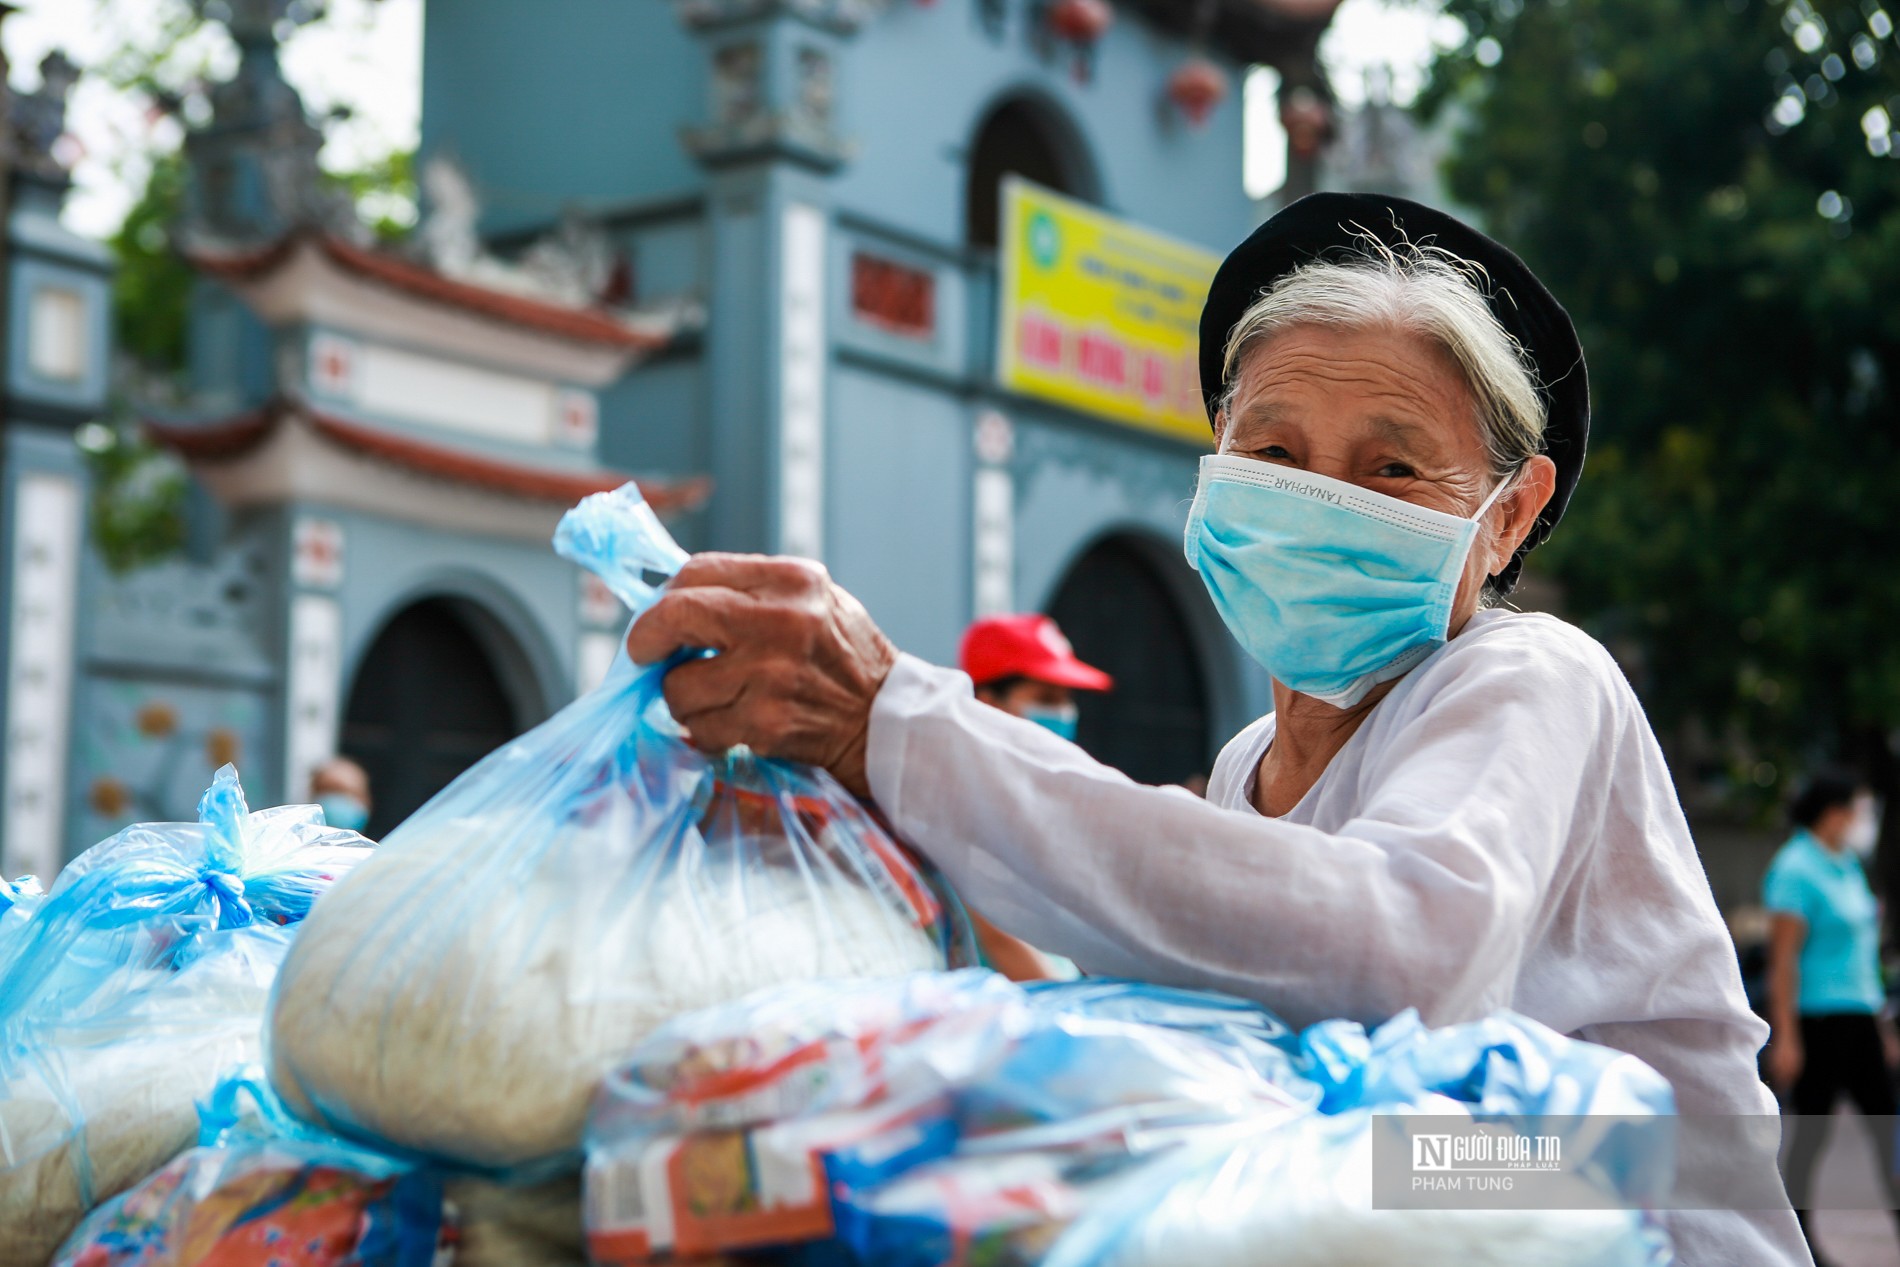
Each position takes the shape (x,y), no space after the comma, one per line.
(802,356)
(310,694)
(46,536)
(993,504)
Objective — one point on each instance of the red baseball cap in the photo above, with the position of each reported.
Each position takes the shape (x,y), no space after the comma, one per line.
(1026,646)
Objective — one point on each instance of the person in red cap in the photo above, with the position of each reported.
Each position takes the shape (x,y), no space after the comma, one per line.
(1024,666)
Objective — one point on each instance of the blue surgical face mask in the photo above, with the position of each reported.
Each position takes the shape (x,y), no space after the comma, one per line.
(344,811)
(1061,718)
(1333,588)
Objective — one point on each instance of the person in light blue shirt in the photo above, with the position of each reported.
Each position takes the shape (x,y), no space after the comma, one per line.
(1824,988)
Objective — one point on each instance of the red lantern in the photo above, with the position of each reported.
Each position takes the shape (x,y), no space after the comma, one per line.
(1196,87)
(1307,120)
(1081,21)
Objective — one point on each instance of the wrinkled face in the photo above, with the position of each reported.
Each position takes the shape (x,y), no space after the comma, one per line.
(1389,411)
(1385,410)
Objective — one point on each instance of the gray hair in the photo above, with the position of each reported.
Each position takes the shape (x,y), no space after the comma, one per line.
(1423,290)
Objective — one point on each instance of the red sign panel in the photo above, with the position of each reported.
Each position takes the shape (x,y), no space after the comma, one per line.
(893,296)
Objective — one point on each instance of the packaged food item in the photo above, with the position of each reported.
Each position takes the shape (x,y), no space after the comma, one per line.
(92,1103)
(980,1210)
(854,1118)
(255,1194)
(460,995)
(135,901)
(1300,1193)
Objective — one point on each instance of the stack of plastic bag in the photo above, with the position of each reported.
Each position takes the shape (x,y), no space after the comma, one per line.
(459,996)
(954,1120)
(138,980)
(1302,1193)
(884,1122)
(261,1189)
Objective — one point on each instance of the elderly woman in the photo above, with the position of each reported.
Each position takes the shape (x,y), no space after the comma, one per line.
(1453,806)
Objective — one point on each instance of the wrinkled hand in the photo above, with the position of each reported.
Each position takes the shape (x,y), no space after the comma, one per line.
(799,660)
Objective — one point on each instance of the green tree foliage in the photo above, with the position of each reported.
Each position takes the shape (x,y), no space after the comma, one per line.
(167,53)
(138,508)
(1711,189)
(152,286)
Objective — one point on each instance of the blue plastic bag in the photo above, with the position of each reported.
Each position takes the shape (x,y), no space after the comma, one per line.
(135,900)
(93,1101)
(1305,1187)
(18,900)
(1248,1030)
(459,996)
(262,1187)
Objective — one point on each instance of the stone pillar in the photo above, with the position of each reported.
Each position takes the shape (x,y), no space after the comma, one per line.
(768,140)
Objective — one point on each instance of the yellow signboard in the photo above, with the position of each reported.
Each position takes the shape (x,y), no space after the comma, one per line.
(1100,315)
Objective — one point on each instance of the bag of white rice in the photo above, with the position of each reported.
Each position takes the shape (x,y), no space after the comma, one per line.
(460,995)
(130,986)
(93,1103)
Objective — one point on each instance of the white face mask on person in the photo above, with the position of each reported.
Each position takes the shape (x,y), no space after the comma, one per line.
(1863,830)
(1333,588)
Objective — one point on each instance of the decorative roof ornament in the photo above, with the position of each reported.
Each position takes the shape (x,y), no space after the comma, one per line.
(759,110)
(253,167)
(573,266)
(36,122)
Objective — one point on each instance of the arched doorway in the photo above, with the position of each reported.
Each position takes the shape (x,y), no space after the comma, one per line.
(1120,613)
(1022,136)
(430,699)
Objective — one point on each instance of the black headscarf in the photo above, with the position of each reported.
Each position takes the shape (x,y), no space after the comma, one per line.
(1336,226)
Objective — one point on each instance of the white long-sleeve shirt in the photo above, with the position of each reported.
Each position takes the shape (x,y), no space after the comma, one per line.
(1501,831)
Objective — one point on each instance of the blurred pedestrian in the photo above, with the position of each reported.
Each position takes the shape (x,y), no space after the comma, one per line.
(340,787)
(1024,666)
(1824,990)
(1027,668)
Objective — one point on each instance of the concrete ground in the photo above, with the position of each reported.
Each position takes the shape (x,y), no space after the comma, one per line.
(1852,1238)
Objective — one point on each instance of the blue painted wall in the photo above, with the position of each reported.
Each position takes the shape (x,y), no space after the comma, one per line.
(557,102)
(911,89)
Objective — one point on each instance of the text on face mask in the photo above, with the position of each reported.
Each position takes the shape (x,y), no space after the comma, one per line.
(1268,478)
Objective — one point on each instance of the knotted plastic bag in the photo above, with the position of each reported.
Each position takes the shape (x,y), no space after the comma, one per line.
(261,1188)
(1301,1193)
(130,986)
(460,995)
(94,1101)
(136,900)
